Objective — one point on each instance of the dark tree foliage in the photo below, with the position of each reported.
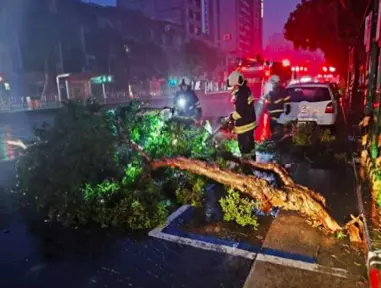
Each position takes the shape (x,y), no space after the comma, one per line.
(45,27)
(199,58)
(81,169)
(150,60)
(331,26)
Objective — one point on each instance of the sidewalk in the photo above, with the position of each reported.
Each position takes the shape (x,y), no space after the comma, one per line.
(339,264)
(328,262)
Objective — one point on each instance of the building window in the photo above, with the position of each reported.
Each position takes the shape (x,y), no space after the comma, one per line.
(198,16)
(198,3)
(191,28)
(190,14)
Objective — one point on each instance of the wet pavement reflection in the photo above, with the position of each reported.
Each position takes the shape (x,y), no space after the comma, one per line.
(41,255)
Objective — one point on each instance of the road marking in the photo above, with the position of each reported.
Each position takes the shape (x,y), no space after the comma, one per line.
(263,257)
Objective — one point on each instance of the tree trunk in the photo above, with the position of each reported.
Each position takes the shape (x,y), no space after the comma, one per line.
(291,196)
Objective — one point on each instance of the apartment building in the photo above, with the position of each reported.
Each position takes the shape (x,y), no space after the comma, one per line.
(239,30)
(192,14)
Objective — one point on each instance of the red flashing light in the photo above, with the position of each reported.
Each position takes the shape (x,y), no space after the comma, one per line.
(267,73)
(332,69)
(286,63)
(329,109)
(325,69)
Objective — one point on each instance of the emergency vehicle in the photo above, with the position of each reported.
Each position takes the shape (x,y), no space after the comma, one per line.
(258,71)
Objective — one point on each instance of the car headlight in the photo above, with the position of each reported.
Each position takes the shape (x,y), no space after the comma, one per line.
(182,102)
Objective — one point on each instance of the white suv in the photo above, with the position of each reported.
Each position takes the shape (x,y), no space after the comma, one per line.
(311,102)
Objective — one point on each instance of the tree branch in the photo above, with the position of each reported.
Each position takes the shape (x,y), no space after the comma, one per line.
(291,196)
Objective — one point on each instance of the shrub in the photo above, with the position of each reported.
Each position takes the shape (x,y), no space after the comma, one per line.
(82,170)
(77,149)
(239,210)
(191,189)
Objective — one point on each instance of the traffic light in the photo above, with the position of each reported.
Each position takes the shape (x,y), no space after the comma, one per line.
(172,82)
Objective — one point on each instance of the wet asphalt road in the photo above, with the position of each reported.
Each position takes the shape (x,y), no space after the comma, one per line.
(35,256)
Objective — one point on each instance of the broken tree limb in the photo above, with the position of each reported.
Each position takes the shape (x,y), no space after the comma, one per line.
(293,198)
(282,174)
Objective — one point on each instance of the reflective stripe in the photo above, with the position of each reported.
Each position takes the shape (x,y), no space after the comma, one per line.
(286,98)
(274,118)
(276,111)
(245,128)
(236,116)
(250,99)
(278,101)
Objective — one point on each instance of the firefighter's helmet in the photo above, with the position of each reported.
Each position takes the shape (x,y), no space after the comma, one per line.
(235,79)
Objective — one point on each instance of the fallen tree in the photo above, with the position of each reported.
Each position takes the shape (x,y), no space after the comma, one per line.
(126,188)
(293,197)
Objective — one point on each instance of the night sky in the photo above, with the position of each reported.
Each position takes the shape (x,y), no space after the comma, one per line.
(276,14)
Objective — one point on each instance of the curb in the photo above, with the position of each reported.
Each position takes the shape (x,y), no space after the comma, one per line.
(373,256)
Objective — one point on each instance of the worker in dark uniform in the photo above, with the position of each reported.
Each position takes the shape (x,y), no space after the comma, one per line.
(277,98)
(244,114)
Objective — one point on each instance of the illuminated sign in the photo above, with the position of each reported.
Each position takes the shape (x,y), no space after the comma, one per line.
(252,68)
(253,80)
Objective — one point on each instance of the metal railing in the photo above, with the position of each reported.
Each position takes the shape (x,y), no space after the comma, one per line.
(26,104)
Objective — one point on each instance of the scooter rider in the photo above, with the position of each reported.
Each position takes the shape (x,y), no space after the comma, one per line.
(244,115)
(186,103)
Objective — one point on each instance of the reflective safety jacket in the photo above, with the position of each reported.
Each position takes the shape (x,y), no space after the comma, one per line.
(244,114)
(276,102)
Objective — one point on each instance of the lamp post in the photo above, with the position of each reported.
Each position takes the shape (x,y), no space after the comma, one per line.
(58,85)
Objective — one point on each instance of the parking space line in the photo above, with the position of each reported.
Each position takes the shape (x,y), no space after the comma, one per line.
(263,256)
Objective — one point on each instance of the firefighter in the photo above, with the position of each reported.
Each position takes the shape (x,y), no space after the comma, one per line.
(244,114)
(277,98)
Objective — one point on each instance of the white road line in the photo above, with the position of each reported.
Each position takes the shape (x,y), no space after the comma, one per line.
(157,233)
(303,265)
(203,245)
(176,214)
